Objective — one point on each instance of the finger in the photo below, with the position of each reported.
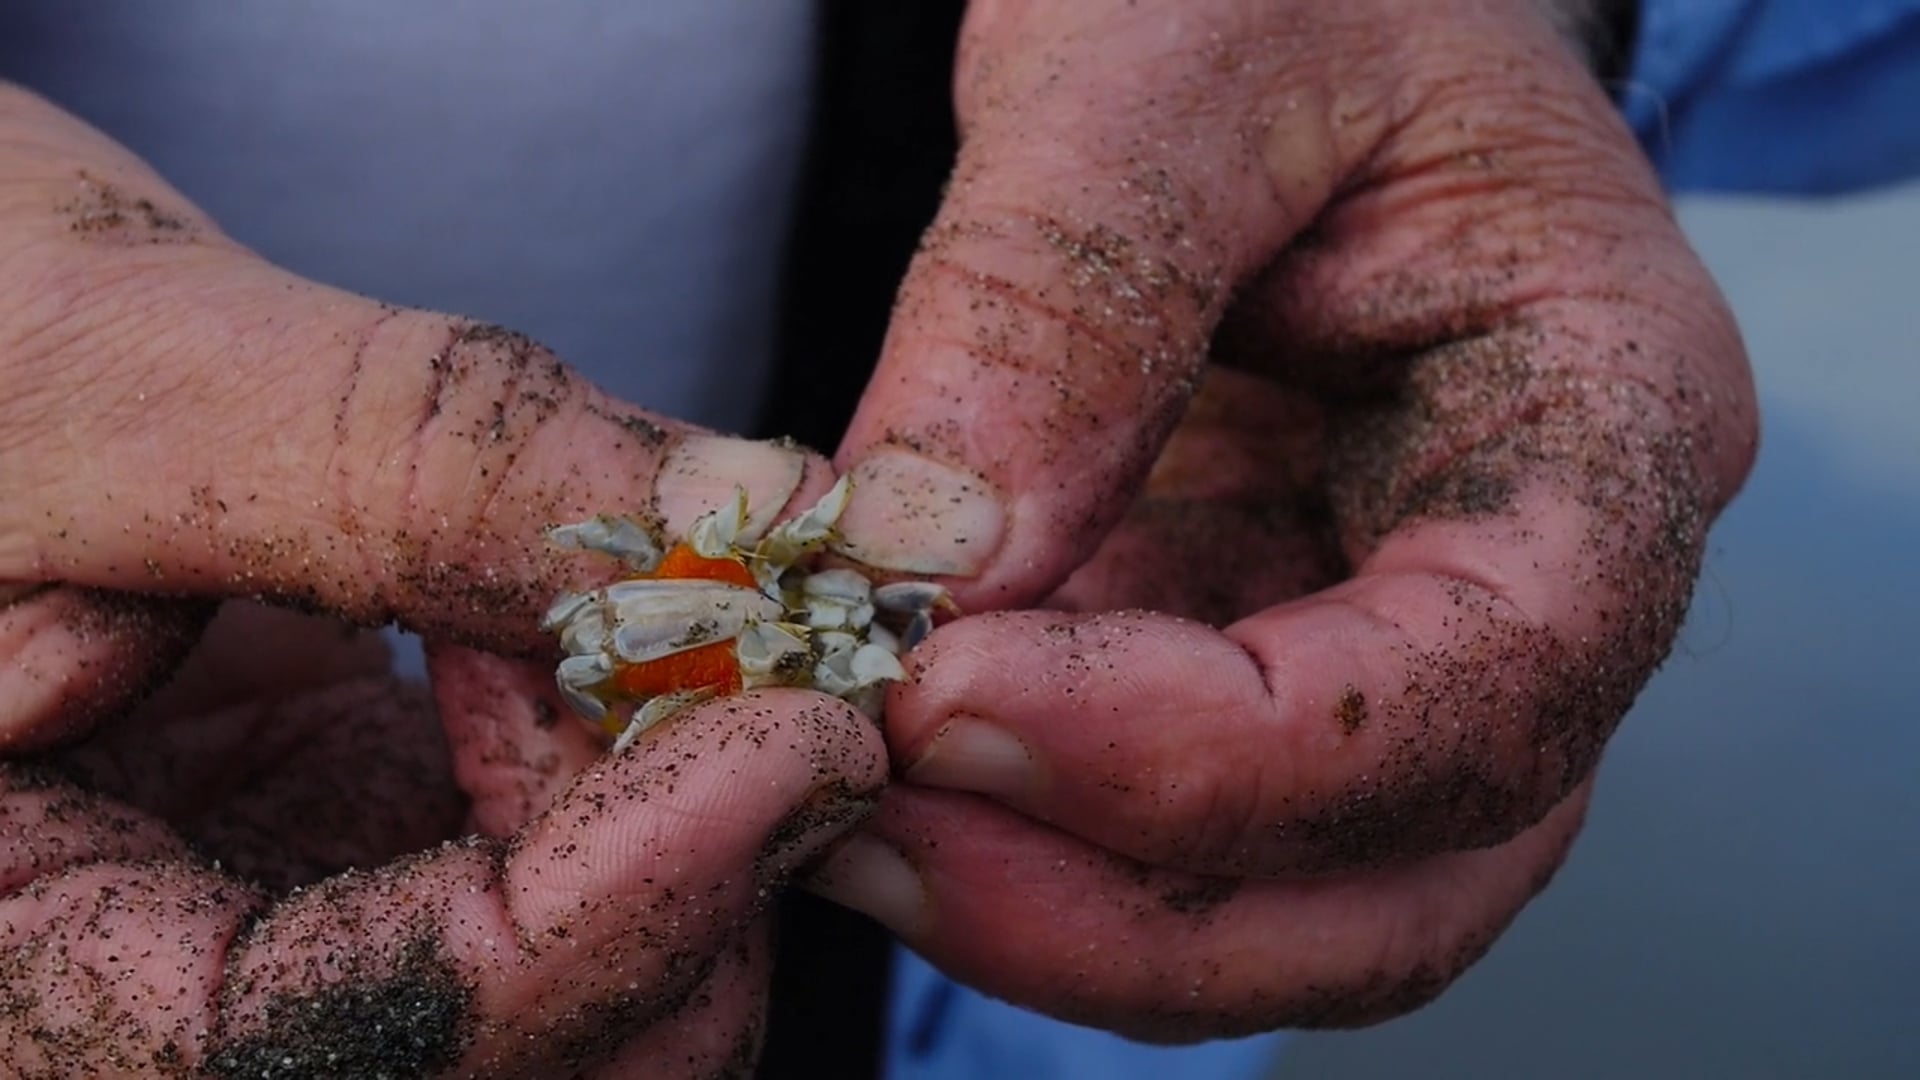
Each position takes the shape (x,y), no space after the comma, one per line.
(1467,716)
(193,420)
(1054,321)
(515,744)
(285,792)
(720,1031)
(70,657)
(1459,686)
(82,655)
(1011,907)
(253,653)
(515,748)
(113,933)
(1232,519)
(529,958)
(47,826)
(283,749)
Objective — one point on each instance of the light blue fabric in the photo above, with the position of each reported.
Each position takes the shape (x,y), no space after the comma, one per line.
(1778,97)
(940,1030)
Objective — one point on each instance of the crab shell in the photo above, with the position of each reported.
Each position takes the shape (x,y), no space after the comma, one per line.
(725,611)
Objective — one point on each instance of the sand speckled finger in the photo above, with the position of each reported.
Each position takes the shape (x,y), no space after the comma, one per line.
(184,417)
(594,926)
(1468,406)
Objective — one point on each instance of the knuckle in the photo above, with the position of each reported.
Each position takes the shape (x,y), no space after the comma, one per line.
(437,427)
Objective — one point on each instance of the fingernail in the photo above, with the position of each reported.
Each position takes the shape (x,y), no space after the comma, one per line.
(815,825)
(701,471)
(916,515)
(969,754)
(869,876)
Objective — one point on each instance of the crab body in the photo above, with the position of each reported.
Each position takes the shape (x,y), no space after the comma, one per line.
(723,611)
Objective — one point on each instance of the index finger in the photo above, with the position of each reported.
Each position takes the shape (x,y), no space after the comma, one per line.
(184,418)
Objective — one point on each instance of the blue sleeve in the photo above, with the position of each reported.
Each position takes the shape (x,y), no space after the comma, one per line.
(1782,97)
(938,1029)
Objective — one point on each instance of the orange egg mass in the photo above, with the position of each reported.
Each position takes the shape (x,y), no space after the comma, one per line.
(707,667)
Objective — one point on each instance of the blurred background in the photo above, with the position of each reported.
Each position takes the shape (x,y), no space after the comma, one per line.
(1743,902)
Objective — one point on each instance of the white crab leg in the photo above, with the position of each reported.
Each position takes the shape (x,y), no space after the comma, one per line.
(652,619)
(873,664)
(917,600)
(794,538)
(713,536)
(767,651)
(564,608)
(910,597)
(684,599)
(885,639)
(585,632)
(656,710)
(621,537)
(576,675)
(838,600)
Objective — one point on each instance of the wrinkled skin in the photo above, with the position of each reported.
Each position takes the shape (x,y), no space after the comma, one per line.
(1333,376)
(619,930)
(1350,398)
(184,422)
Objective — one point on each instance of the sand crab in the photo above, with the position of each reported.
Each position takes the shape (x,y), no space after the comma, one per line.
(723,611)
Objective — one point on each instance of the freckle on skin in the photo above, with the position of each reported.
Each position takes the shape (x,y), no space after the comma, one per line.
(1350,711)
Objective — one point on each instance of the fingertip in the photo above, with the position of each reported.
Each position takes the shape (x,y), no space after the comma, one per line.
(822,736)
(764,779)
(968,753)
(867,874)
(515,744)
(76,656)
(845,767)
(913,513)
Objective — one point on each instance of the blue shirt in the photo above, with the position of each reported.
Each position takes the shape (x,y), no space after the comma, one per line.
(1782,97)
(1778,97)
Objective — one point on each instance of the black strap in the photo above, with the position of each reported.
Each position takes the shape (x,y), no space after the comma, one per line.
(882,145)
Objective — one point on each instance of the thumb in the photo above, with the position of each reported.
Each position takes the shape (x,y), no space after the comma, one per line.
(185,418)
(1119,175)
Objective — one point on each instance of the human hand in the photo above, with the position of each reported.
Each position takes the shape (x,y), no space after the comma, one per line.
(1357,345)
(619,932)
(185,422)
